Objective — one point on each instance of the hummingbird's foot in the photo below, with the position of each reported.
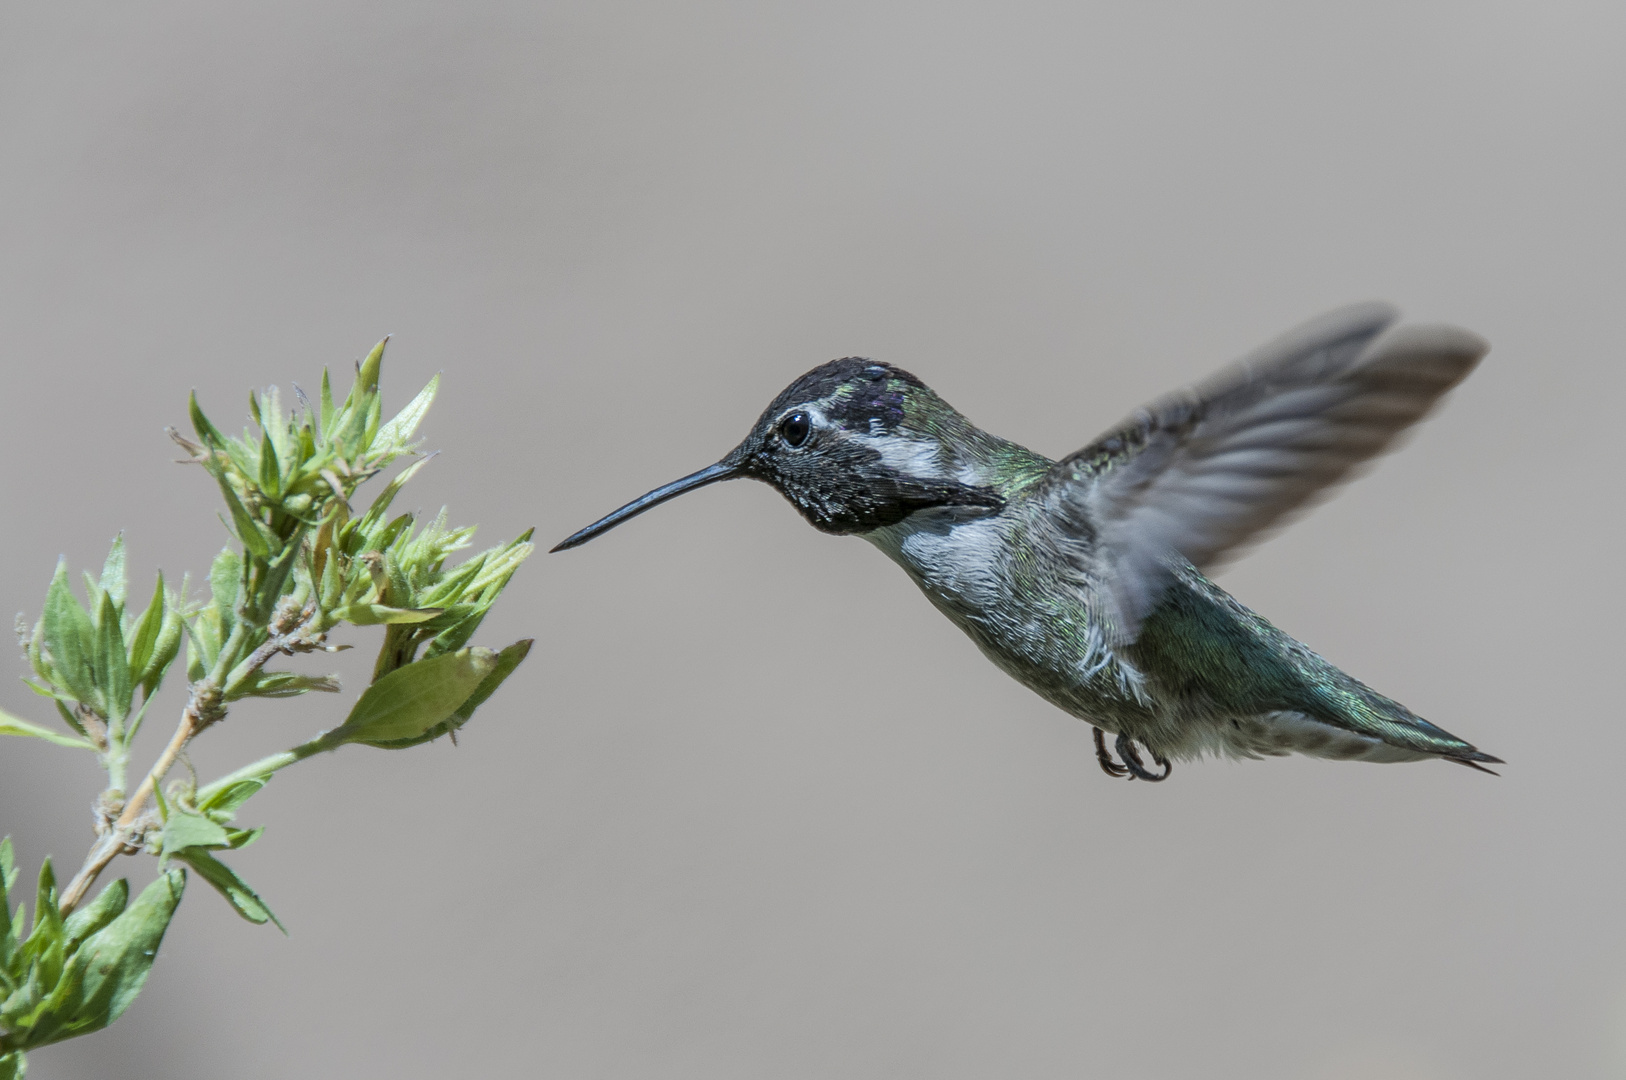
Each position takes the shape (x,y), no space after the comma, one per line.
(1108,764)
(1137,768)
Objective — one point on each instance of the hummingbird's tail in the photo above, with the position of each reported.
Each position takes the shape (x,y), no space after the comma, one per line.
(1258,691)
(1345,702)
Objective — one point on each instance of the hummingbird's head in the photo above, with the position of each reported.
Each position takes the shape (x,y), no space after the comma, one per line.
(853,444)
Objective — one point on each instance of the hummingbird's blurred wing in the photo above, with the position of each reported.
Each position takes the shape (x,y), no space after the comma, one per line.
(1203,471)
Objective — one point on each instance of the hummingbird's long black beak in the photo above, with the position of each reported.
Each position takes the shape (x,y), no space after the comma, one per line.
(709,475)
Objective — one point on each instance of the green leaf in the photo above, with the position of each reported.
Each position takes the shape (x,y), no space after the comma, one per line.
(13,1066)
(154,641)
(95,915)
(349,433)
(11,725)
(281,430)
(8,870)
(8,931)
(228,800)
(413,699)
(93,591)
(244,900)
(69,717)
(41,956)
(280,684)
(242,838)
(114,582)
(47,919)
(211,436)
(144,634)
(70,637)
(367,372)
(163,653)
(225,584)
(245,526)
(325,417)
(270,469)
(276,573)
(203,642)
(112,662)
(507,661)
(375,513)
(405,423)
(188,830)
(373,614)
(108,970)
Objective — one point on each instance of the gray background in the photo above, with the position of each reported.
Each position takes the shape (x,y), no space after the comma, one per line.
(753,809)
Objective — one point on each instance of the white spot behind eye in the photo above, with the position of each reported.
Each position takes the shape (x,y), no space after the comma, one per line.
(912,457)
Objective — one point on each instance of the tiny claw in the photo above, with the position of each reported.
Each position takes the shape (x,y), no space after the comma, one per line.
(1136,767)
(1104,756)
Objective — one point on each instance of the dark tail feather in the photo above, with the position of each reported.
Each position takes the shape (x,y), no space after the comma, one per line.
(1473,758)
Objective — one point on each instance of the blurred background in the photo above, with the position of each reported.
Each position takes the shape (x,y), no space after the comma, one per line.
(753,808)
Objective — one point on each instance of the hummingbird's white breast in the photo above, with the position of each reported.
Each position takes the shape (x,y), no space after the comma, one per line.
(1033,622)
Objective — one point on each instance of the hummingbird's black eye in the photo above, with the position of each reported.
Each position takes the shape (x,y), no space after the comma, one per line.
(795,428)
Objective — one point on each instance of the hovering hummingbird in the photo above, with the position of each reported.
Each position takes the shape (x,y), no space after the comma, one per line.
(1085,579)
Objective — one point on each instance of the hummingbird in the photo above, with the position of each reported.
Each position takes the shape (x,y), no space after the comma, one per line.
(1087,579)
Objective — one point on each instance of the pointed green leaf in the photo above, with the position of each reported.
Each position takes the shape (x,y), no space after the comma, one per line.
(381,504)
(13,1066)
(270,468)
(225,585)
(154,641)
(277,573)
(163,653)
(113,581)
(324,418)
(93,591)
(185,830)
(242,838)
(367,372)
(95,915)
(277,684)
(243,899)
(42,691)
(70,637)
(207,432)
(38,658)
(374,614)
(229,799)
(203,641)
(507,660)
(11,725)
(280,429)
(369,431)
(144,634)
(70,718)
(8,870)
(8,932)
(410,700)
(112,662)
(47,919)
(108,970)
(401,428)
(245,526)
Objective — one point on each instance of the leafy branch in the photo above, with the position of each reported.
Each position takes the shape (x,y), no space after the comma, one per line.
(303,564)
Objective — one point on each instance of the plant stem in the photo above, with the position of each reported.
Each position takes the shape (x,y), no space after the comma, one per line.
(267,765)
(204,706)
(117,838)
